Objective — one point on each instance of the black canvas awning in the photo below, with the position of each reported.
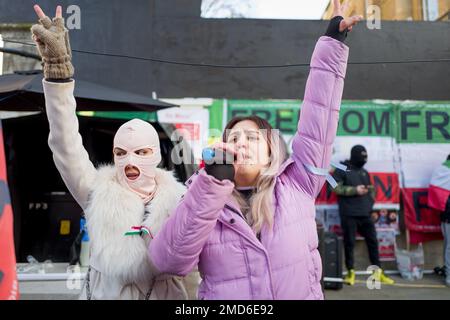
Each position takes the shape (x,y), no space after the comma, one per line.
(24,92)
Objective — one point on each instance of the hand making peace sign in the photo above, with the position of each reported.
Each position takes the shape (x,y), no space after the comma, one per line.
(339,10)
(52,40)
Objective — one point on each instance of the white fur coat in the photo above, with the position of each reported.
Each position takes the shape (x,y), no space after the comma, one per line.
(112,210)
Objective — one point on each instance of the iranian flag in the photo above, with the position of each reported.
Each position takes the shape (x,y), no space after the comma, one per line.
(439,189)
(8,278)
(423,142)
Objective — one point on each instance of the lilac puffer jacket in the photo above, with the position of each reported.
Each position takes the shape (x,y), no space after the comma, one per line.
(207,229)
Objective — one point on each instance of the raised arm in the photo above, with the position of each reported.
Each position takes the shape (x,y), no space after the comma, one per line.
(312,144)
(71,159)
(177,246)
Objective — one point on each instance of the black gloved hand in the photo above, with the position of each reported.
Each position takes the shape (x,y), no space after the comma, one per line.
(333,29)
(221,165)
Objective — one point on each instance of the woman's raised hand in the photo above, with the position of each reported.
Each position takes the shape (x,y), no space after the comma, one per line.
(52,40)
(348,22)
(229,148)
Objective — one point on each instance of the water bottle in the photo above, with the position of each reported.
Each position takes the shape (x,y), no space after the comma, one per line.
(208,155)
(34,265)
(217,156)
(85,244)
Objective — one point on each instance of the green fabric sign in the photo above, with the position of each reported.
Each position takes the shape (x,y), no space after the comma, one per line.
(423,123)
(282,115)
(426,122)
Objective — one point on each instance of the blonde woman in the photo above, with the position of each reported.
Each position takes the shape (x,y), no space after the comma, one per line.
(125,203)
(250,226)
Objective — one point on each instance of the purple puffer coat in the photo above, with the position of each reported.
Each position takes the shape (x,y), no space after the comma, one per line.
(207,229)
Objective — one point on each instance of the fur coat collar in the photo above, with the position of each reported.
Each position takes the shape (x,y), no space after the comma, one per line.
(112,210)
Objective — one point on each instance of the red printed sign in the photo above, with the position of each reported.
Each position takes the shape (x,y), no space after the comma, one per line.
(387,190)
(422,222)
(192,130)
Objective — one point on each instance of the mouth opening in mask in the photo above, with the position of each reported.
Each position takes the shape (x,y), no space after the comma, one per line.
(132,172)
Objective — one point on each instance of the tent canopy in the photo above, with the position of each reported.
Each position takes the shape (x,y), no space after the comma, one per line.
(24,92)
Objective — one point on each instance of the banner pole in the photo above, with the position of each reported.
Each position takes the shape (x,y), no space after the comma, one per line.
(407,239)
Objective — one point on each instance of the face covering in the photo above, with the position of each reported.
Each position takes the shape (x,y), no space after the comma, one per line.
(132,136)
(358,156)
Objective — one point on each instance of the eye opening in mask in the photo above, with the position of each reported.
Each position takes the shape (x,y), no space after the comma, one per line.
(119,152)
(144,152)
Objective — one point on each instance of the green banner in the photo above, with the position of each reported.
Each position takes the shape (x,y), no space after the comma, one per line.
(426,122)
(281,114)
(366,119)
(356,118)
(125,115)
(423,123)
(216,115)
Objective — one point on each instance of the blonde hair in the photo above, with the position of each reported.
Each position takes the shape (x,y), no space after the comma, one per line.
(260,209)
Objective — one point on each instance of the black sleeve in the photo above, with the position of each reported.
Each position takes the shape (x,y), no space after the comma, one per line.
(333,29)
(339,176)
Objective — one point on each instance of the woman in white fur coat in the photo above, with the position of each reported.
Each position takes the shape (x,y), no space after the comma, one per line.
(125,203)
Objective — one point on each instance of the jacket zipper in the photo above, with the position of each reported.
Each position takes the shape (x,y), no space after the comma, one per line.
(235,211)
(241,233)
(252,242)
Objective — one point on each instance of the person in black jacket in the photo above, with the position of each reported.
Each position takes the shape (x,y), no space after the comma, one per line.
(356,196)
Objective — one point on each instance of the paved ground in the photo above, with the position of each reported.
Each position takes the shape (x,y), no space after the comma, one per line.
(49,290)
(46,290)
(431,287)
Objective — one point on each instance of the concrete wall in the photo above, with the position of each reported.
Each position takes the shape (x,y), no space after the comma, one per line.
(11,63)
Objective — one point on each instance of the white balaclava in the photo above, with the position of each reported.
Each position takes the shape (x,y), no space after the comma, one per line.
(134,135)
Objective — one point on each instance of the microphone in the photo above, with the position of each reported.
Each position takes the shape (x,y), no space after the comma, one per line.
(219,163)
